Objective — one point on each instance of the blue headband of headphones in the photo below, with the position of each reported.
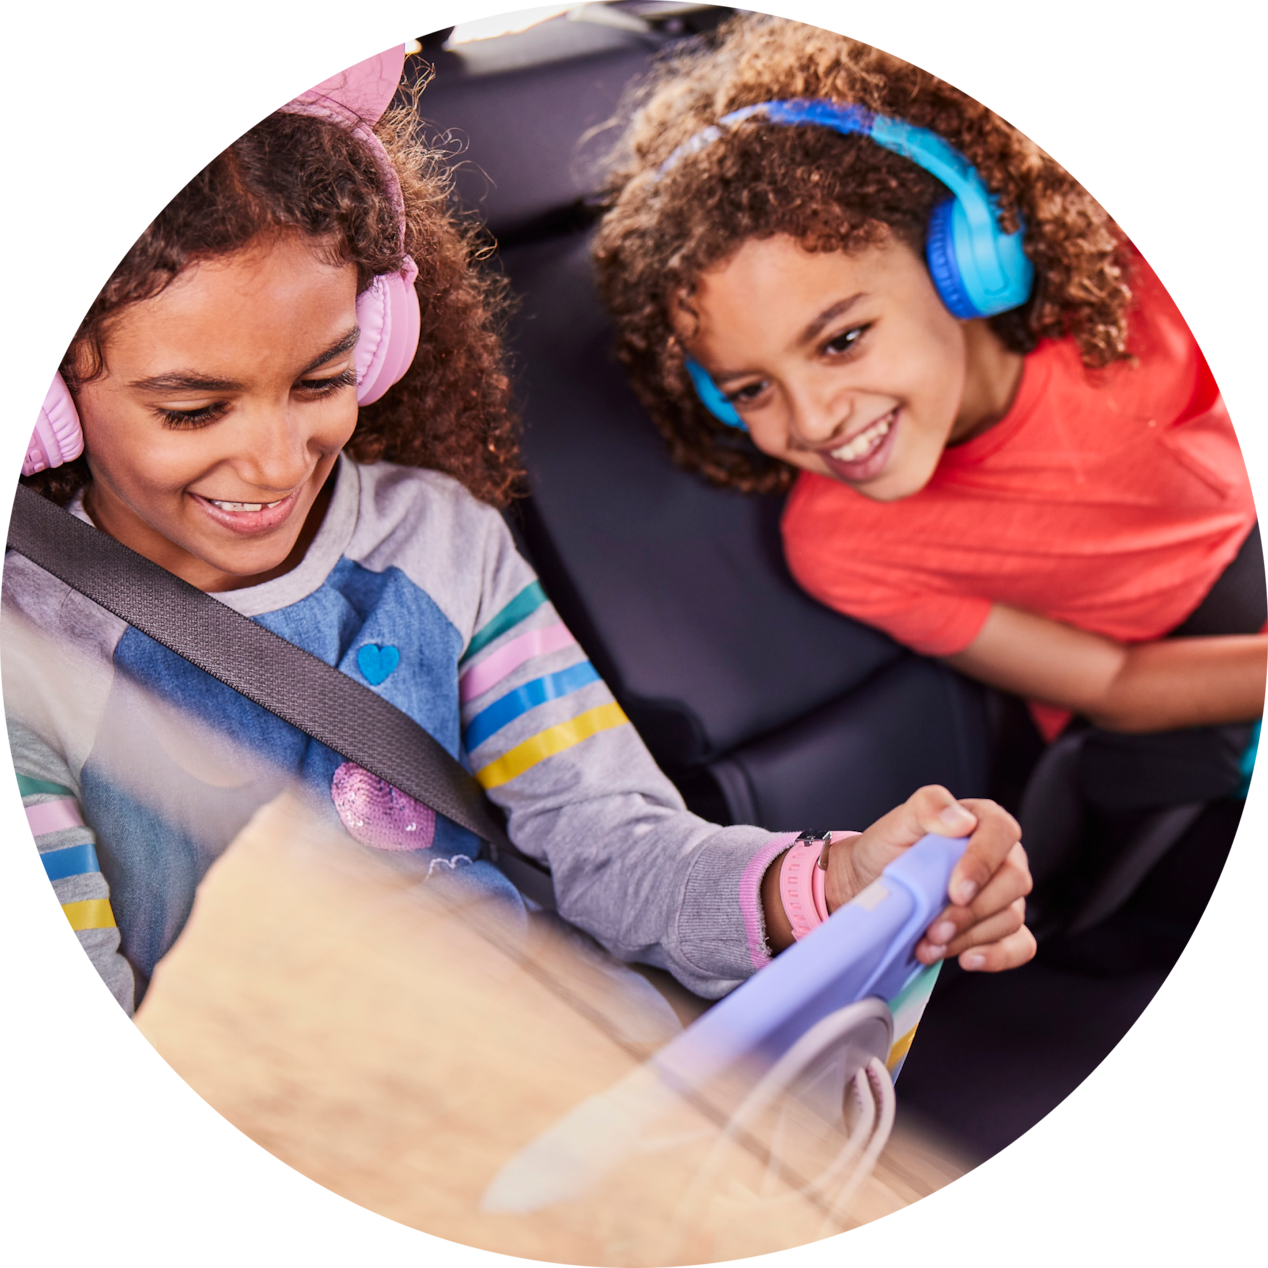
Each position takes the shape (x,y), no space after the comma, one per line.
(977,269)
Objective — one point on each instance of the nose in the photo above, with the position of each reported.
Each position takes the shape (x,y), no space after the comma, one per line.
(816,417)
(274,454)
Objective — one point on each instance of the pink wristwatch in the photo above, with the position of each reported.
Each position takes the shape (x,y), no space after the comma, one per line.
(801,882)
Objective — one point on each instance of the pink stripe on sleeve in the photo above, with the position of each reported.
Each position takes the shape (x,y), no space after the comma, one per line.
(49,816)
(492,669)
(751,896)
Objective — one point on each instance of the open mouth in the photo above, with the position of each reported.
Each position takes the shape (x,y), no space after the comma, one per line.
(858,447)
(236,508)
(865,454)
(248,517)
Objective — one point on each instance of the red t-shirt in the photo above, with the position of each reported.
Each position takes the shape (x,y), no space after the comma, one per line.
(1110,500)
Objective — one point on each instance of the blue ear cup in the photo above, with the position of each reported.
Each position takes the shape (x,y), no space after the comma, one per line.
(977,269)
(711,395)
(940,257)
(992,271)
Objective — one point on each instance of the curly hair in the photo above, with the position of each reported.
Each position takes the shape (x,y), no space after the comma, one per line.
(830,192)
(451,411)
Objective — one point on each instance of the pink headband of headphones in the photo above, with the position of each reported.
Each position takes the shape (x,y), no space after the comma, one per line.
(357,99)
(387,310)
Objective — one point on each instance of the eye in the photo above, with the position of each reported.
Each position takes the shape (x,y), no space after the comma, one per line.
(189,419)
(747,394)
(328,386)
(846,341)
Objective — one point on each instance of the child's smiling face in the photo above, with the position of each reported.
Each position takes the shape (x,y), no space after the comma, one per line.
(848,365)
(222,409)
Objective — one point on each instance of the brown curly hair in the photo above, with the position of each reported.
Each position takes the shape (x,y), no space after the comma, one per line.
(298,173)
(832,193)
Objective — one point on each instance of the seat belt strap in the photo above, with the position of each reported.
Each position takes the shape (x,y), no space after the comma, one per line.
(288,681)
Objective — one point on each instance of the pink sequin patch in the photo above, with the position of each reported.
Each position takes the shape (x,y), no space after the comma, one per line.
(377,814)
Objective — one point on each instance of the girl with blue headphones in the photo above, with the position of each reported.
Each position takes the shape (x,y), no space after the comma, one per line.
(832,273)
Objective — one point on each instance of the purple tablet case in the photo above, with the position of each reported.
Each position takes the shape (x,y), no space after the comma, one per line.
(855,974)
(865,948)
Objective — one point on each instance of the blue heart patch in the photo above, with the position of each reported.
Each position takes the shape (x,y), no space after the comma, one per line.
(376,662)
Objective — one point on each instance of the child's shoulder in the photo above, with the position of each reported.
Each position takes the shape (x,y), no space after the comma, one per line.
(427,525)
(38,600)
(1166,376)
(59,667)
(1152,310)
(395,499)
(1064,402)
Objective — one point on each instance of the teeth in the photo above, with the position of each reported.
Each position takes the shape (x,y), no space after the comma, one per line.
(865,441)
(245,506)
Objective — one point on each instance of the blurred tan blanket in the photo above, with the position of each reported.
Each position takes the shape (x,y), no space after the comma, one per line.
(399,1050)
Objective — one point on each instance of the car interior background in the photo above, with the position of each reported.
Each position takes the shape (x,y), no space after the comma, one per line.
(763,706)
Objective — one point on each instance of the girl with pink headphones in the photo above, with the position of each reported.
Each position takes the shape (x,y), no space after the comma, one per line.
(833,274)
(292,395)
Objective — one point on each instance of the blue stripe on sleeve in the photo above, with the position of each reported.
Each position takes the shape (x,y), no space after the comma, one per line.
(71,860)
(518,702)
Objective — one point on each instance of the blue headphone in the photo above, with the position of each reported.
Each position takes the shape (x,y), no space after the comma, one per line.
(977,269)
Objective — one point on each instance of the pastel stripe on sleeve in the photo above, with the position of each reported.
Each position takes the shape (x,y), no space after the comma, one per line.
(29,786)
(490,671)
(72,860)
(91,913)
(52,816)
(524,604)
(751,896)
(515,704)
(547,743)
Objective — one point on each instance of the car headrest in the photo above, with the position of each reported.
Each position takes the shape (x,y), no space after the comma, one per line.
(516,107)
(677,589)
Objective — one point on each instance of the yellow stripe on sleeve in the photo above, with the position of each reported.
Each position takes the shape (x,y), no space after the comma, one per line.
(92,913)
(547,743)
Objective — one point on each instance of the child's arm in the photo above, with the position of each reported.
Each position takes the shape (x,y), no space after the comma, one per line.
(50,694)
(68,851)
(984,925)
(1157,686)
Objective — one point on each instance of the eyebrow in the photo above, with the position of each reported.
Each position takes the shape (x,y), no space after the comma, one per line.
(814,328)
(809,334)
(189,381)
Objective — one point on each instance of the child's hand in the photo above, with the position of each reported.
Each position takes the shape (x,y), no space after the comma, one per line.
(984,926)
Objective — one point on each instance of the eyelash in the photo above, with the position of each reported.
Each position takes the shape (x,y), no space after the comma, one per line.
(315,389)
(745,395)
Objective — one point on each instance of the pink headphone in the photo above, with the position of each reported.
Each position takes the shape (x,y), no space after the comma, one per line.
(387,310)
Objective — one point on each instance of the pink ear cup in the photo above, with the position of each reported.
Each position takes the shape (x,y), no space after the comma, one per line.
(57,437)
(389,317)
(387,311)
